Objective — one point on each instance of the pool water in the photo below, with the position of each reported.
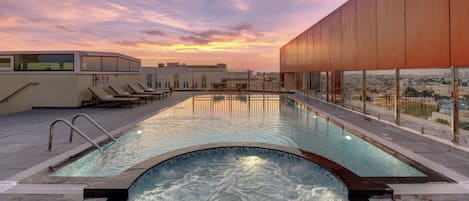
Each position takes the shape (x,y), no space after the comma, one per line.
(268,119)
(238,173)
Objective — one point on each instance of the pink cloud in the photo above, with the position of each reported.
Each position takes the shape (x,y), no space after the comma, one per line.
(243,34)
(10,21)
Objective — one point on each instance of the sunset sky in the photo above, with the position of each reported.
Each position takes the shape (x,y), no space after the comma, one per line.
(241,33)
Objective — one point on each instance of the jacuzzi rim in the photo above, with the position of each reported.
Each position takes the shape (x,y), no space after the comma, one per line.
(117,188)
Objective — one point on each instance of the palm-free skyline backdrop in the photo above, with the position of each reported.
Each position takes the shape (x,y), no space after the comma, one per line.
(241,33)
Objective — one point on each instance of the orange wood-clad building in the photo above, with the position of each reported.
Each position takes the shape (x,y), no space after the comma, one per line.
(383,34)
(364,37)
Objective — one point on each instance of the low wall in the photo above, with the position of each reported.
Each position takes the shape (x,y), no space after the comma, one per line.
(54,89)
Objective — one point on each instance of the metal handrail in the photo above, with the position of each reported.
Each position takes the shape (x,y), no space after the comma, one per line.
(18,90)
(93,122)
(51,133)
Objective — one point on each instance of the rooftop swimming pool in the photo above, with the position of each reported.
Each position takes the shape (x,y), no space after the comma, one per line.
(269,119)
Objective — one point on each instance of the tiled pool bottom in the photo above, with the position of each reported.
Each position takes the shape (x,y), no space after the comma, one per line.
(239,173)
(234,118)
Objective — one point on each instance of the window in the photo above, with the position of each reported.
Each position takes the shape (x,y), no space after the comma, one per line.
(6,63)
(109,64)
(149,80)
(204,81)
(123,65)
(44,62)
(134,66)
(176,80)
(91,63)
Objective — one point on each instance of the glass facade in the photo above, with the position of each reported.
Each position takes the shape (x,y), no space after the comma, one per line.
(323,81)
(463,105)
(314,80)
(123,65)
(6,63)
(425,97)
(426,101)
(108,64)
(380,93)
(44,62)
(352,89)
(91,63)
(134,66)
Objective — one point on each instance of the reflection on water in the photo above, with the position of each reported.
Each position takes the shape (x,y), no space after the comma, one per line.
(238,118)
(236,104)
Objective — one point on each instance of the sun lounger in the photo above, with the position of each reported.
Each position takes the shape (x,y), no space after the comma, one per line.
(148,89)
(138,90)
(104,97)
(121,93)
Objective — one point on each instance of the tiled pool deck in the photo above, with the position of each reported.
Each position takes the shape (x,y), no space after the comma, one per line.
(24,138)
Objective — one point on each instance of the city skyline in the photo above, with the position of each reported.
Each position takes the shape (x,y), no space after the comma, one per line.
(242,34)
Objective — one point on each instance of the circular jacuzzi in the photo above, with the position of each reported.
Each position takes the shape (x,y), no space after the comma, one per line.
(238,173)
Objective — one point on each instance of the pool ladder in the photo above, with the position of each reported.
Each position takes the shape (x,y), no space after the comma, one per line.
(73,129)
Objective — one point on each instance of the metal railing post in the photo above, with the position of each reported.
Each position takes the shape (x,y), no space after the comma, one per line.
(397,106)
(364,92)
(455,106)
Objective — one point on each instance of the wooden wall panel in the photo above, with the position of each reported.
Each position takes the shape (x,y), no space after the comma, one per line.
(325,45)
(309,50)
(335,32)
(459,32)
(427,33)
(300,52)
(316,47)
(390,34)
(288,59)
(304,47)
(349,35)
(366,34)
(294,55)
(281,57)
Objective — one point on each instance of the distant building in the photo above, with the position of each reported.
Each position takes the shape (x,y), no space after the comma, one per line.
(187,77)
